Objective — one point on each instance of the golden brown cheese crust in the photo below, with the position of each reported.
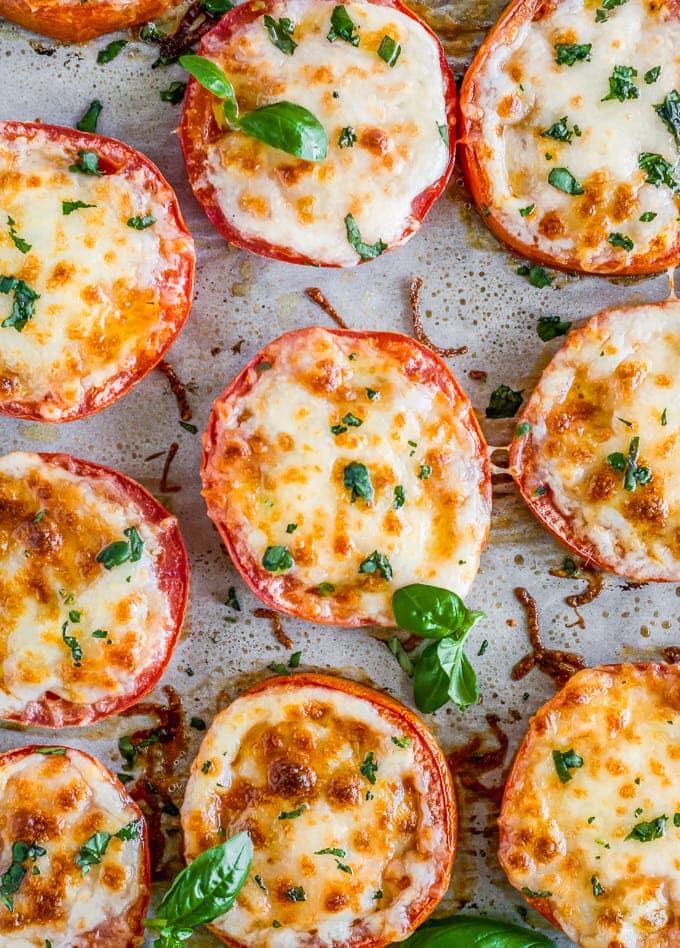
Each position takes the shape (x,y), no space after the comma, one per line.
(57,514)
(55,900)
(611,390)
(598,854)
(312,410)
(349,804)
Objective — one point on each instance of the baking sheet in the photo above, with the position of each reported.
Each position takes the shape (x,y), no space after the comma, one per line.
(471,296)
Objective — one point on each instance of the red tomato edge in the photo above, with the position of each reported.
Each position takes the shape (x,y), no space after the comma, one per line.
(257,579)
(76,24)
(120,156)
(198,122)
(173,581)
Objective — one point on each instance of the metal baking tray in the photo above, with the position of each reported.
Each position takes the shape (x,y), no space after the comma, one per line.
(471,296)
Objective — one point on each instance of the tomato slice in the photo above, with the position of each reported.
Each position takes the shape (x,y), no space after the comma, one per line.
(593,452)
(311,763)
(95,582)
(391,131)
(568,135)
(78,22)
(341,465)
(98,894)
(97,270)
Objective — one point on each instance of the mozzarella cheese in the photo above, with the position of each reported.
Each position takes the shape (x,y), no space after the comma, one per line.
(293,765)
(520,92)
(275,473)
(570,843)
(108,292)
(53,524)
(396,113)
(55,902)
(612,382)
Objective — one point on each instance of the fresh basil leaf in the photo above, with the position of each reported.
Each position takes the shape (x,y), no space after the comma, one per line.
(19,242)
(277,559)
(23,306)
(207,887)
(467,931)
(92,851)
(649,831)
(111,51)
(432,612)
(342,27)
(550,327)
(565,761)
(566,54)
(430,681)
(658,170)
(563,180)
(621,87)
(281,33)
(389,50)
(174,93)
(669,113)
(88,122)
(462,686)
(503,403)
(209,74)
(365,251)
(559,131)
(287,126)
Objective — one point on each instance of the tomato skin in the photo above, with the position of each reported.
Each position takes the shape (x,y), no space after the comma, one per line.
(116,158)
(430,370)
(198,127)
(432,762)
(173,580)
(73,23)
(125,930)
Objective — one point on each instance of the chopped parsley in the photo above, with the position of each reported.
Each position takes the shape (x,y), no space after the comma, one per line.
(676,819)
(621,86)
(371,394)
(537,276)
(376,563)
(87,163)
(293,814)
(281,33)
(207,767)
(566,54)
(646,832)
(652,75)
(356,478)
(50,751)
(294,660)
(260,882)
(669,113)
(19,242)
(389,50)
(365,251)
(340,853)
(338,429)
(369,767)
(122,551)
(399,497)
(627,464)
(23,305)
(503,403)
(550,327)
(564,762)
(563,180)
(658,170)
(347,137)
(277,559)
(620,240)
(39,516)
(342,27)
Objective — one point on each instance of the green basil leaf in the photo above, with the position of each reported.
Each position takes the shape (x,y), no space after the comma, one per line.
(141,222)
(111,51)
(621,86)
(217,7)
(209,75)
(208,887)
(430,682)
(621,240)
(68,207)
(23,307)
(281,33)
(504,402)
(432,612)
(566,54)
(357,479)
(287,126)
(277,559)
(652,75)
(669,113)
(658,170)
(87,163)
(563,180)
(467,931)
(550,327)
(342,27)
(88,122)
(92,851)
(174,93)
(462,689)
(389,50)
(365,251)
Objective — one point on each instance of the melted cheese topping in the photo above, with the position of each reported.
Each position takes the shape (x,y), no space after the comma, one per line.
(303,748)
(557,838)
(276,462)
(521,92)
(104,286)
(49,576)
(616,379)
(394,111)
(58,902)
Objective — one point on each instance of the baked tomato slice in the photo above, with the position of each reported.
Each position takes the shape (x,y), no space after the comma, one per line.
(339,466)
(588,824)
(94,584)
(570,133)
(594,452)
(96,270)
(312,765)
(75,855)
(377,80)
(76,21)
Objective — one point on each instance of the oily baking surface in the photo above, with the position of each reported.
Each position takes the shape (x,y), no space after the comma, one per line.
(471,296)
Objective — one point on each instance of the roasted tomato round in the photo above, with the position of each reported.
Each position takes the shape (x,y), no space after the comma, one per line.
(96,270)
(376,79)
(594,452)
(589,825)
(74,853)
(76,21)
(350,806)
(570,134)
(94,584)
(339,466)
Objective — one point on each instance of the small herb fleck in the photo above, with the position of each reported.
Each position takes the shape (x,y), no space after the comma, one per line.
(376,563)
(277,559)
(293,814)
(399,497)
(503,403)
(369,767)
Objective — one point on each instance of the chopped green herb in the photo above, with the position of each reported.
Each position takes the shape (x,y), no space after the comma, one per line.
(291,528)
(110,52)
(522,430)
(646,832)
(217,7)
(141,222)
(198,724)
(100,634)
(503,403)
(357,479)
(342,27)
(483,647)
(620,240)
(378,894)
(68,207)
(621,87)
(338,429)
(281,33)
(371,394)
(260,882)
(21,245)
(376,563)
(566,54)
(536,894)
(559,131)
(23,306)
(87,163)
(647,216)
(74,616)
(293,814)
(537,276)
(633,474)
(39,516)
(402,741)
(12,878)
(347,137)
(664,418)
(297,893)
(92,851)
(658,170)
(192,429)
(343,867)
(50,751)
(669,113)
(591,819)
(277,559)
(600,15)
(564,762)
(389,50)
(563,180)
(88,122)
(638,812)
(263,367)
(369,767)
(401,655)
(365,251)
(540,491)
(73,644)
(352,421)
(424,472)
(278,668)
(628,424)
(598,889)
(174,93)
(325,589)
(652,75)
(340,853)
(399,497)
(676,819)
(525,211)
(294,660)
(122,551)
(232,600)
(276,924)
(369,796)
(550,327)
(443,133)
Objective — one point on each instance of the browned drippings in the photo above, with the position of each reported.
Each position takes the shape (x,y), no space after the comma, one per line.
(316,296)
(560,666)
(468,764)
(178,390)
(478,375)
(161,761)
(277,626)
(671,654)
(195,22)
(411,643)
(164,487)
(595,580)
(418,331)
